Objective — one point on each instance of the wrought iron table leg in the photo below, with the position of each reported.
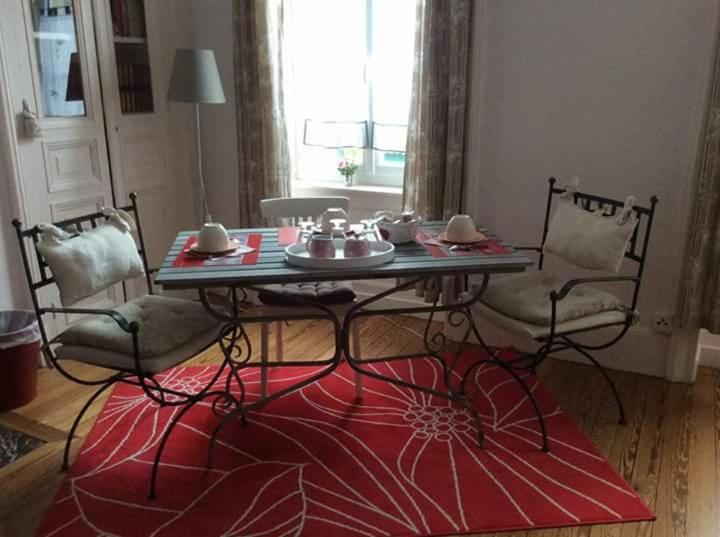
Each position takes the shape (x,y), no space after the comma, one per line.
(237,352)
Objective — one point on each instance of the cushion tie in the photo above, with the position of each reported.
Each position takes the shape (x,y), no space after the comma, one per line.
(120,218)
(627,211)
(571,188)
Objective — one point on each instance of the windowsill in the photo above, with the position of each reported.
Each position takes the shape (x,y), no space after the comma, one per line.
(339,188)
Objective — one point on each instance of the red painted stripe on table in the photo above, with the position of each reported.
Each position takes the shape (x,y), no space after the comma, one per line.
(287,235)
(435,251)
(182,260)
(254,240)
(490,246)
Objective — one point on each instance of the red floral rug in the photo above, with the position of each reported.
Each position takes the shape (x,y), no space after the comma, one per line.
(317,463)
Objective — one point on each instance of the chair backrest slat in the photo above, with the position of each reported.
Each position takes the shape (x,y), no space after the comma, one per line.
(301,209)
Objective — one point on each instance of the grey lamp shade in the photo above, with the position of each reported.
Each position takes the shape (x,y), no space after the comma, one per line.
(195,77)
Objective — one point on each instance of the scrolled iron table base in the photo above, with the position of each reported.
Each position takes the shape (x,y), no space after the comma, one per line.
(237,351)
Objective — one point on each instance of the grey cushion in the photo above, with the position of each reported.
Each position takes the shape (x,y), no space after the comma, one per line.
(526,297)
(326,293)
(165,325)
(535,331)
(126,362)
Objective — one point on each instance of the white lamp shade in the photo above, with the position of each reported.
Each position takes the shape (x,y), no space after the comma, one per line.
(195,78)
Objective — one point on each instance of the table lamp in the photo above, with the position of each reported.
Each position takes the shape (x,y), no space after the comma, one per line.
(196,79)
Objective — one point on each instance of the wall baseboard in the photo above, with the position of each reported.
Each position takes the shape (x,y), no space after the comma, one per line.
(641,351)
(365,289)
(709,356)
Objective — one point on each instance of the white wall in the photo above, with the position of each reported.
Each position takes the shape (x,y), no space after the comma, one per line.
(13,288)
(212,27)
(610,90)
(13,292)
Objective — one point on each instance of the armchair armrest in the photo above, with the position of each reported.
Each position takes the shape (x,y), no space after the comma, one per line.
(567,287)
(117,317)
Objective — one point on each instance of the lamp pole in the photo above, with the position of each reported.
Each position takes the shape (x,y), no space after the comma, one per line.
(207,218)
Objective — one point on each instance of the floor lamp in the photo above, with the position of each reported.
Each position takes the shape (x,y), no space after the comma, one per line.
(196,79)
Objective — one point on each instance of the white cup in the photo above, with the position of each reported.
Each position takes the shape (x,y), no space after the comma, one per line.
(213,237)
(461,228)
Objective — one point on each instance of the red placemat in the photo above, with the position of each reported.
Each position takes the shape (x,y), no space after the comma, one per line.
(287,235)
(487,247)
(254,240)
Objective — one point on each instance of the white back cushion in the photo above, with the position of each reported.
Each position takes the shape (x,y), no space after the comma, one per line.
(590,239)
(89,262)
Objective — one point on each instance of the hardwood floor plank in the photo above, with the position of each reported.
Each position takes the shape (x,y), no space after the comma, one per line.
(702,499)
(671,503)
(717,443)
(621,445)
(647,459)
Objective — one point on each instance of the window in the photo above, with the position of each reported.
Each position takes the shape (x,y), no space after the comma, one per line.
(349,85)
(57,57)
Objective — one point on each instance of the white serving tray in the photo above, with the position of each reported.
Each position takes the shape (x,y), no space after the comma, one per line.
(380,252)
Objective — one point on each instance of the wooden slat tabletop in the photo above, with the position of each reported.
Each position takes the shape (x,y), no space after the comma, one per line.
(410,260)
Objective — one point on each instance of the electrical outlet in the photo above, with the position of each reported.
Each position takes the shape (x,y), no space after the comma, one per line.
(663,323)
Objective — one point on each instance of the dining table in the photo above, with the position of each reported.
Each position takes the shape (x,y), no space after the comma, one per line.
(425,262)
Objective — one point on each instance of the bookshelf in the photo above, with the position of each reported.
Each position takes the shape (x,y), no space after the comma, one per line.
(132,56)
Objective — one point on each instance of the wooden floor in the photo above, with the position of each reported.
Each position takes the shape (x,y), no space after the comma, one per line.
(668,451)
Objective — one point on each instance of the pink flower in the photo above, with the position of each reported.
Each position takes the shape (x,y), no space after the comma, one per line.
(341,164)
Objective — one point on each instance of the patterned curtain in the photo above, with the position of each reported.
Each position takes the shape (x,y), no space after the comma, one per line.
(699,305)
(263,154)
(436,134)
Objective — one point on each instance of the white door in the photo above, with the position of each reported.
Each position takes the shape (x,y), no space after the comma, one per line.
(133,73)
(53,66)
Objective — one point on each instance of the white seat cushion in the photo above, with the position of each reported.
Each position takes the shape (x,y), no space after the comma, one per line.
(526,297)
(536,331)
(171,331)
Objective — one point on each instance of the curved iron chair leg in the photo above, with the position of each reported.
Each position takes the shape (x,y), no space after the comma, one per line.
(152,494)
(71,434)
(509,368)
(618,400)
(531,397)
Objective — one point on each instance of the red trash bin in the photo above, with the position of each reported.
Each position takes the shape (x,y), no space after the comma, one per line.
(19,358)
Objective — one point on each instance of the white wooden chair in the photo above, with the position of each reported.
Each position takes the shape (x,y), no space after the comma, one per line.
(294,211)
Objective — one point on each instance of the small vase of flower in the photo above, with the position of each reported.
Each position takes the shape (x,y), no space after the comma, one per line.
(347,169)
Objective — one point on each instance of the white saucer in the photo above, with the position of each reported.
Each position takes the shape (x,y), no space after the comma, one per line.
(478,237)
(232,245)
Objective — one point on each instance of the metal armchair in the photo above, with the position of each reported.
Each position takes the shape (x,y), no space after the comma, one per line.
(131,363)
(561,334)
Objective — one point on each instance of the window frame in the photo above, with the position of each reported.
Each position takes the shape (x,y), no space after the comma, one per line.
(371,171)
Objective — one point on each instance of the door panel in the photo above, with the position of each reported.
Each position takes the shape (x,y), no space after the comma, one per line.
(65,172)
(136,115)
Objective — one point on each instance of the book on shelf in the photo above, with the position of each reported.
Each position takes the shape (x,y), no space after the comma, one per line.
(128,17)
